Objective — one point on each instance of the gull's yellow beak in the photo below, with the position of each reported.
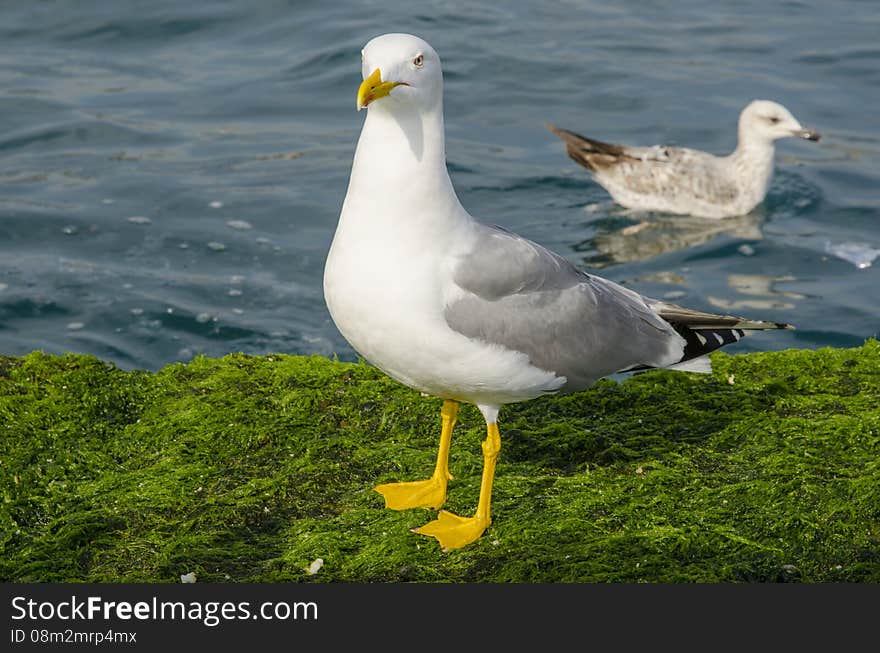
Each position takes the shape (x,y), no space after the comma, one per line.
(373,88)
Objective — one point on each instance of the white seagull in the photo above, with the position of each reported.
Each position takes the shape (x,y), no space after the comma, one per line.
(691,182)
(464,311)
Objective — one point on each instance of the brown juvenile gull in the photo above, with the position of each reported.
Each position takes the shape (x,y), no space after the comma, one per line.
(468,312)
(691,182)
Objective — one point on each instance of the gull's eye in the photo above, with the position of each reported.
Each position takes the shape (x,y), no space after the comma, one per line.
(773,120)
(419,61)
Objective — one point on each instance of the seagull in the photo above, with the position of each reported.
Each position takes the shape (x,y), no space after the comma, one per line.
(691,182)
(468,312)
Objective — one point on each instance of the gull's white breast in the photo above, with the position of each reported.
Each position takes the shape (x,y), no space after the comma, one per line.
(386,284)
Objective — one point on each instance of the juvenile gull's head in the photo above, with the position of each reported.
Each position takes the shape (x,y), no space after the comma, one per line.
(763,121)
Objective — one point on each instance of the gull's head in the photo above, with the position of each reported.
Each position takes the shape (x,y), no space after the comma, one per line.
(768,121)
(400,69)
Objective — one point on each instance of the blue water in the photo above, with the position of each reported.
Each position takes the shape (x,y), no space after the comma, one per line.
(171,173)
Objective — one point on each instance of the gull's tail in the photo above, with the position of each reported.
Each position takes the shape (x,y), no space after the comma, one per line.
(703,333)
(588,152)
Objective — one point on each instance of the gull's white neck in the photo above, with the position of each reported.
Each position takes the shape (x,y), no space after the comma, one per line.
(753,162)
(754,147)
(399,169)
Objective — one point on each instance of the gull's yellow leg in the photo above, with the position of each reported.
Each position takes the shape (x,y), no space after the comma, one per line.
(454,532)
(430,493)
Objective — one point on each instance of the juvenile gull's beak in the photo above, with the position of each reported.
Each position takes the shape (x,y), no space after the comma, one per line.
(809,134)
(373,88)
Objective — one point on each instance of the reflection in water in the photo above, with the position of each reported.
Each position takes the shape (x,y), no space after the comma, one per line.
(652,237)
(762,290)
(663,276)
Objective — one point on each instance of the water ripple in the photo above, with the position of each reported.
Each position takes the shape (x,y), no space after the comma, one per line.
(172,172)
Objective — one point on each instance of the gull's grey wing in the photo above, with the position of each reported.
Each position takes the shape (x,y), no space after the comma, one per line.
(521,296)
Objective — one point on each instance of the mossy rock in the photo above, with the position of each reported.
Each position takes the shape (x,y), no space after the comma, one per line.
(249,468)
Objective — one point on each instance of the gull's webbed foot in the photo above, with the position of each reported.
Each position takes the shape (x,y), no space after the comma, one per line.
(430,493)
(454,532)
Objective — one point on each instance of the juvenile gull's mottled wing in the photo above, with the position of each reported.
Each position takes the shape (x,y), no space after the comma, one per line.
(518,295)
(683,172)
(653,171)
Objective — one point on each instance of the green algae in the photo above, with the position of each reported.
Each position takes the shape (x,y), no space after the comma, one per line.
(249,468)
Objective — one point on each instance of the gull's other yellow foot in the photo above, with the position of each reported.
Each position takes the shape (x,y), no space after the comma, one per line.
(430,493)
(454,532)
